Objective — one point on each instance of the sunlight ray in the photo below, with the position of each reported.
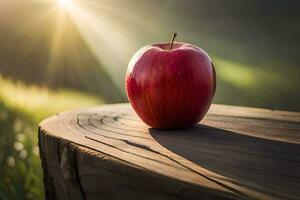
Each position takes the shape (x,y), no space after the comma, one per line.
(56,53)
(106,39)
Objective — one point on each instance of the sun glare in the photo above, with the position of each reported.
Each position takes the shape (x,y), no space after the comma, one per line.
(99,26)
(64,3)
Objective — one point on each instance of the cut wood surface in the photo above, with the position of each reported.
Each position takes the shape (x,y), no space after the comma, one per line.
(107,152)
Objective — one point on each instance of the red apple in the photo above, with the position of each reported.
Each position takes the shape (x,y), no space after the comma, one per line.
(170,85)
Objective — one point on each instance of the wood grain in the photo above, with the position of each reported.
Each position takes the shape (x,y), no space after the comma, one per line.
(107,152)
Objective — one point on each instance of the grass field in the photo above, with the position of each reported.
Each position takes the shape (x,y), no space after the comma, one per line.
(21,109)
(270,86)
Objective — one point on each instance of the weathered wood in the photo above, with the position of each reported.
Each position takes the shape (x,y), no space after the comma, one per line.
(234,153)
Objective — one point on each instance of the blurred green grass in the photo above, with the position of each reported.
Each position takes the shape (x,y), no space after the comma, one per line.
(274,86)
(22,107)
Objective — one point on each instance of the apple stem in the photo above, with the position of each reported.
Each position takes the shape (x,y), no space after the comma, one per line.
(172,41)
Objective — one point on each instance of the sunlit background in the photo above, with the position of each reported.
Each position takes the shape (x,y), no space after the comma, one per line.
(61,54)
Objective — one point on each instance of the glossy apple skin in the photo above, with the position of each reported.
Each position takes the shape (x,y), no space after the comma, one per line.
(170,89)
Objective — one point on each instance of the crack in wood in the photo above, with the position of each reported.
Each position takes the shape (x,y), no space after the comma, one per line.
(158,161)
(141,146)
(204,176)
(149,149)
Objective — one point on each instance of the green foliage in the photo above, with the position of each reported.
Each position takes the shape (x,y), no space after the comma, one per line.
(20,175)
(21,109)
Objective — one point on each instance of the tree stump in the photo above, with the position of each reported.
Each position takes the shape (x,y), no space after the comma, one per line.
(107,152)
